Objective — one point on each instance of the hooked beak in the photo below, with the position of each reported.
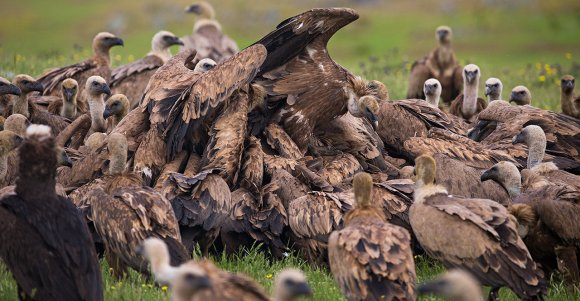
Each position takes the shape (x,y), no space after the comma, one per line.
(519,138)
(569,84)
(37,86)
(432,287)
(139,250)
(487,90)
(117,42)
(194,8)
(177,41)
(302,289)
(470,76)
(68,93)
(107,113)
(372,118)
(10,89)
(18,140)
(442,35)
(105,89)
(489,174)
(65,159)
(198,283)
(513,97)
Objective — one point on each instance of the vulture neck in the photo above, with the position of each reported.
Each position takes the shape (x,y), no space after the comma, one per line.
(536,151)
(102,56)
(566,100)
(469,106)
(3,165)
(206,22)
(116,119)
(160,51)
(445,53)
(495,96)
(513,186)
(423,191)
(96,108)
(163,271)
(69,108)
(117,162)
(432,99)
(21,105)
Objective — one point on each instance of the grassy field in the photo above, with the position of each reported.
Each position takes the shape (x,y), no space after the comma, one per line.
(520,43)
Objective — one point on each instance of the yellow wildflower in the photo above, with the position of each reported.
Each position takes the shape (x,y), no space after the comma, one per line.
(408,66)
(113,287)
(546,67)
(568,55)
(557,82)
(117,57)
(164,288)
(130,58)
(269,276)
(542,78)
(538,66)
(143,285)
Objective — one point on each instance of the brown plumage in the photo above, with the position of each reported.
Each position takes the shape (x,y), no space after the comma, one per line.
(69,105)
(44,243)
(180,100)
(371,259)
(21,105)
(8,142)
(116,108)
(306,88)
(207,37)
(461,162)
(440,64)
(99,64)
(401,120)
(569,103)
(500,122)
(468,104)
(546,214)
(476,235)
(131,79)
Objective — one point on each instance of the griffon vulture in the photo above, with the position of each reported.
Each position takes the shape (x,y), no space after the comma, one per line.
(467,105)
(493,89)
(69,105)
(116,108)
(131,79)
(432,90)
(44,242)
(7,89)
(521,96)
(99,64)
(476,235)
(569,103)
(440,64)
(371,259)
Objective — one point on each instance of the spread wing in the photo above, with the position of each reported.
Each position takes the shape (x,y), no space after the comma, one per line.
(51,79)
(149,62)
(372,260)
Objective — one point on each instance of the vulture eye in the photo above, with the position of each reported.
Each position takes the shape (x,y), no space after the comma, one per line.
(435,85)
(25,82)
(206,65)
(95,83)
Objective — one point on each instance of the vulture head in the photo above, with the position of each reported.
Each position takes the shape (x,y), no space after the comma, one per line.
(521,96)
(493,88)
(366,107)
(425,169)
(38,159)
(507,175)
(163,40)
(27,84)
(117,105)
(69,88)
(104,41)
(189,280)
(204,65)
(378,89)
(96,86)
(432,89)
(529,135)
(8,141)
(117,147)
(202,9)
(156,252)
(525,216)
(471,74)
(291,284)
(407,172)
(17,123)
(95,140)
(567,84)
(444,34)
(7,88)
(362,184)
(454,285)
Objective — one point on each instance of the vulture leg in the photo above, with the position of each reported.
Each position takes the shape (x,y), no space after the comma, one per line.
(568,264)
(493,294)
(119,269)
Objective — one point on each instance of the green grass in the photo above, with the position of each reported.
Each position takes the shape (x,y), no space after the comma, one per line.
(256,265)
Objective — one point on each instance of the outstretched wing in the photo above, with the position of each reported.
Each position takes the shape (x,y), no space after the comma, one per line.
(149,62)
(51,79)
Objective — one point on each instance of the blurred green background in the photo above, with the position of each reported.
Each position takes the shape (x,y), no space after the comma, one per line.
(529,42)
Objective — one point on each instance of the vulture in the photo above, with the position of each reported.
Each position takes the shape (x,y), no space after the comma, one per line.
(493,89)
(371,259)
(440,64)
(7,89)
(432,91)
(461,162)
(125,213)
(305,87)
(116,108)
(258,215)
(95,89)
(547,217)
(69,106)
(131,79)
(21,105)
(401,120)
(224,285)
(454,285)
(44,242)
(207,37)
(183,104)
(569,103)
(99,64)
(477,235)
(521,96)
(8,142)
(534,137)
(467,105)
(500,122)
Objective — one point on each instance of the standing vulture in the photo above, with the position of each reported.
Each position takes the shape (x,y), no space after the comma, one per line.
(440,64)
(44,242)
(569,103)
(371,259)
(207,38)
(99,64)
(306,88)
(131,79)
(476,235)
(493,89)
(467,105)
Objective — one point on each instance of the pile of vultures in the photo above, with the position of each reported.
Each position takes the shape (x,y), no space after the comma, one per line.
(278,146)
